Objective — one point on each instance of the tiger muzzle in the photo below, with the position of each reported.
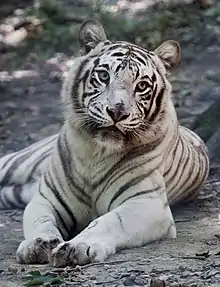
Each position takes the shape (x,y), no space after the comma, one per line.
(117,112)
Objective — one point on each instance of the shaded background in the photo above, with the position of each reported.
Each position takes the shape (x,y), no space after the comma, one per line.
(38,39)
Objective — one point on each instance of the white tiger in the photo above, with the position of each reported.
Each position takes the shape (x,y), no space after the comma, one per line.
(107,180)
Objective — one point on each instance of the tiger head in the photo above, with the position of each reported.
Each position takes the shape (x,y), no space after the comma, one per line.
(116,92)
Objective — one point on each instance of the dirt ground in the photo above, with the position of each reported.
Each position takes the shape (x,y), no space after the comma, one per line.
(193,259)
(30,110)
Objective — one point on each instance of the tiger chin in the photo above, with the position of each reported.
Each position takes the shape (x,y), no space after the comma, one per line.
(120,160)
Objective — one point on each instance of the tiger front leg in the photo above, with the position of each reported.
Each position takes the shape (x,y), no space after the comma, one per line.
(143,218)
(40,231)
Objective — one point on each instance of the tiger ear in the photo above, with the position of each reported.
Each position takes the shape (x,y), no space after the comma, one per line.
(91,33)
(169,53)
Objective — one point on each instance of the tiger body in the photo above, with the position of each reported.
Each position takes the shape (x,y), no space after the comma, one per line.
(107,180)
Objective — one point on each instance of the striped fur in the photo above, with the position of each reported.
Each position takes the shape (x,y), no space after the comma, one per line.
(107,180)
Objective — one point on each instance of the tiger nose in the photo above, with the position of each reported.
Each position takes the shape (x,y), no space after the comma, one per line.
(117,113)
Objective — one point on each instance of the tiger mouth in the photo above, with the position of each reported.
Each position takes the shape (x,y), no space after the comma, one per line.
(113,130)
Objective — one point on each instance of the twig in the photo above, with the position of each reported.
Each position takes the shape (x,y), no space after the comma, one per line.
(182,220)
(107,282)
(193,257)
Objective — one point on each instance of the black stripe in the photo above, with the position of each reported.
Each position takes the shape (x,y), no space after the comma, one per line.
(10,172)
(7,203)
(17,191)
(173,156)
(84,78)
(120,174)
(95,82)
(201,179)
(76,84)
(183,154)
(120,220)
(159,99)
(140,60)
(118,54)
(147,112)
(106,66)
(115,46)
(65,157)
(143,192)
(126,186)
(38,162)
(142,53)
(58,215)
(94,94)
(140,150)
(16,201)
(137,48)
(19,160)
(191,157)
(59,198)
(118,68)
(14,155)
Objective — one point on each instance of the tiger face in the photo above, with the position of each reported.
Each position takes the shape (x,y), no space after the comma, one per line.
(120,90)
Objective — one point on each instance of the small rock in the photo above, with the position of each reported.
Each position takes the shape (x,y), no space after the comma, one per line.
(157,283)
(15,37)
(210,274)
(182,268)
(13,269)
(46,284)
(185,274)
(125,274)
(78,268)
(93,277)
(163,277)
(156,271)
(22,269)
(128,282)
(213,76)
(133,277)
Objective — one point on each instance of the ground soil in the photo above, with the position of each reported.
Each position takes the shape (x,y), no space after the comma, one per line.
(193,259)
(30,110)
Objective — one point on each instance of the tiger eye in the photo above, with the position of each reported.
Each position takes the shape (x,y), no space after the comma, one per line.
(141,86)
(103,76)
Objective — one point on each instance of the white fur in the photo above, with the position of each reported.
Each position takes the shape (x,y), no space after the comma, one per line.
(106,221)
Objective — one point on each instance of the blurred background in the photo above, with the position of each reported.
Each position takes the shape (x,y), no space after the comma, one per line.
(39,38)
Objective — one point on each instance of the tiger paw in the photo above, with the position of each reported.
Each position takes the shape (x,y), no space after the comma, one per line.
(36,251)
(81,253)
